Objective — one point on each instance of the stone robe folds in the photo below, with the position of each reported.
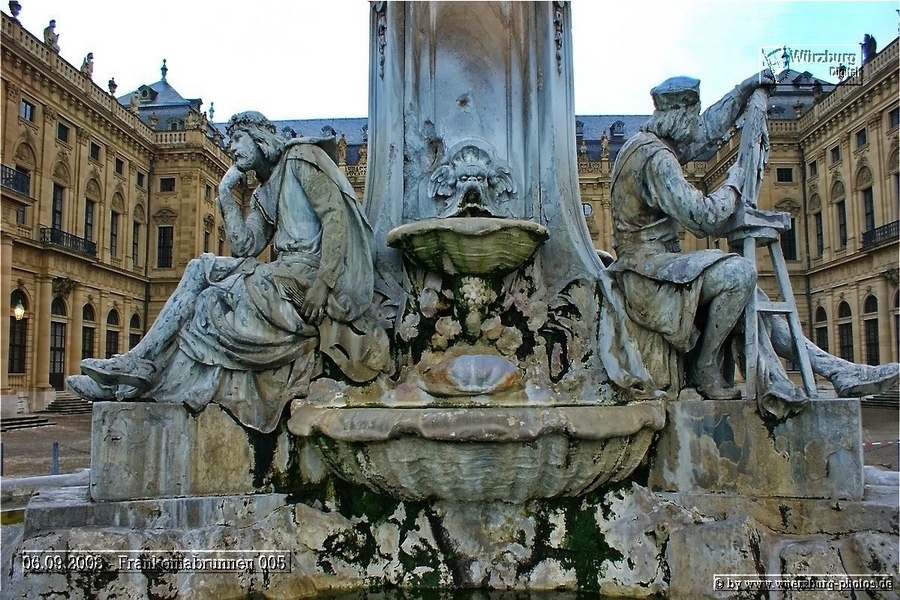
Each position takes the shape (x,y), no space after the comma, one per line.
(246,347)
(650,197)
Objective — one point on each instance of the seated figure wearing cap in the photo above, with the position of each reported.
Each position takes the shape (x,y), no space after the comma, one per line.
(666,290)
(247,334)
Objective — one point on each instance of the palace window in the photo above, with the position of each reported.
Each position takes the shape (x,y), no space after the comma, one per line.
(870,326)
(813,169)
(120,166)
(820,236)
(789,241)
(134,331)
(894,118)
(95,151)
(140,180)
(784,174)
(112,335)
(89,206)
(842,223)
(113,233)
(861,138)
(835,154)
(822,328)
(87,332)
(166,184)
(845,332)
(868,208)
(164,245)
(56,215)
(26,110)
(135,242)
(62,132)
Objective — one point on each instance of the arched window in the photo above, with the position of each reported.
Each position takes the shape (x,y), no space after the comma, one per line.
(870,328)
(134,333)
(18,329)
(58,307)
(112,333)
(822,328)
(845,332)
(88,337)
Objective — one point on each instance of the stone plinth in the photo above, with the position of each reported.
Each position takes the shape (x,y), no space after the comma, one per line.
(725,447)
(156,450)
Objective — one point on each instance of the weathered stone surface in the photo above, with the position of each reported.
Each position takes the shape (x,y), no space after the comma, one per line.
(638,524)
(627,542)
(814,557)
(725,447)
(695,555)
(798,516)
(158,450)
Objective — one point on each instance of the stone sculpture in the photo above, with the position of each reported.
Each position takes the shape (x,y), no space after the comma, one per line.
(666,289)
(51,38)
(87,65)
(245,334)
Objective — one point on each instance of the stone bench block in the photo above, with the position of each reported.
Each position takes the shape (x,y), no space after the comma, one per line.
(726,447)
(158,450)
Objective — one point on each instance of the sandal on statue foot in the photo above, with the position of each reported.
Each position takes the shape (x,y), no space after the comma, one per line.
(121,369)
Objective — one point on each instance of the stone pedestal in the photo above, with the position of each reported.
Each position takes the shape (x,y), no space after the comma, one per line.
(726,447)
(154,450)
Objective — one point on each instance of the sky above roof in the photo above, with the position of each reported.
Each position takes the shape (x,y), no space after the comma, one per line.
(302,59)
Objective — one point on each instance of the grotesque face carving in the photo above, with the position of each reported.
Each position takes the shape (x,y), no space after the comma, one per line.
(472,183)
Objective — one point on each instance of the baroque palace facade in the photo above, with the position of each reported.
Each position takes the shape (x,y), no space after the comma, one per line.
(106,199)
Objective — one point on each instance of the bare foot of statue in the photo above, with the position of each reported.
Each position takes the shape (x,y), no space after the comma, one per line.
(862,380)
(120,369)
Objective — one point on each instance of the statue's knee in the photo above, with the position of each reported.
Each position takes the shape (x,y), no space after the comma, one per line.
(741,274)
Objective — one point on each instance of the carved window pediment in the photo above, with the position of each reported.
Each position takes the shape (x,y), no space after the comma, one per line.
(60,172)
(139,213)
(165,216)
(208,223)
(864,177)
(118,203)
(837,191)
(92,189)
(25,155)
(788,205)
(815,203)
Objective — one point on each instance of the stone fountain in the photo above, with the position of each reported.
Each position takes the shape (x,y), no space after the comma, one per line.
(504,433)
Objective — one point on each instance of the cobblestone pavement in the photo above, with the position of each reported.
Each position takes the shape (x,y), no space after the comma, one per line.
(27,452)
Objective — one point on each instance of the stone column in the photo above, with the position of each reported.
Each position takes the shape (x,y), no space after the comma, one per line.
(42,343)
(103,305)
(73,354)
(5,291)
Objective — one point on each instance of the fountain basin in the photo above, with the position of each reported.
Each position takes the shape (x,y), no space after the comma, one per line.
(469,245)
(513,454)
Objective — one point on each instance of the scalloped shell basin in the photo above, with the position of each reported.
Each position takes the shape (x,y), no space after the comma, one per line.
(469,245)
(513,454)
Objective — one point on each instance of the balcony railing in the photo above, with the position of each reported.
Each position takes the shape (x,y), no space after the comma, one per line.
(885,233)
(15,180)
(58,237)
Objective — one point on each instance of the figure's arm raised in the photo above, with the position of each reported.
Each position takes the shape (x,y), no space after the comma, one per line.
(245,237)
